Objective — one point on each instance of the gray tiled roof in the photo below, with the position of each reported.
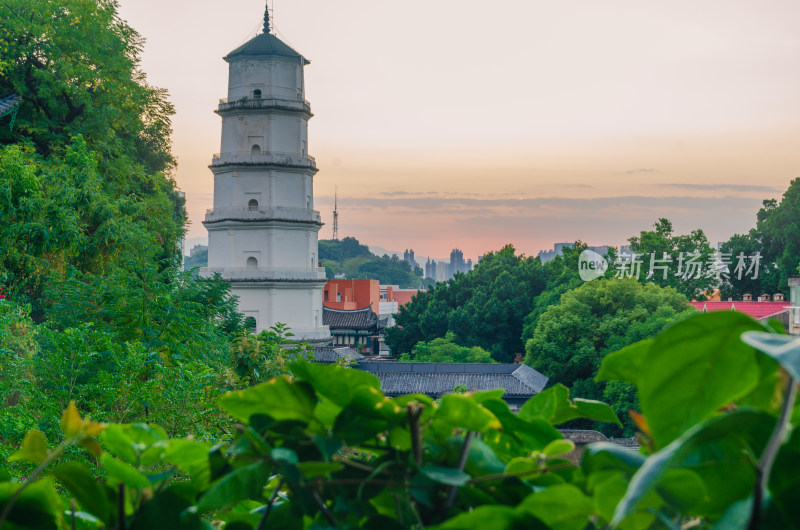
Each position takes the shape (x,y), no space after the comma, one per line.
(436,379)
(581,436)
(265,44)
(363,318)
(331,354)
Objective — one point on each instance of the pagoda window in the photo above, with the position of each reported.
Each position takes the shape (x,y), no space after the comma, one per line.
(257,93)
(252,204)
(252,263)
(255,150)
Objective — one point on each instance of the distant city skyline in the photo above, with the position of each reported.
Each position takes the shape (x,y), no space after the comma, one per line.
(462,124)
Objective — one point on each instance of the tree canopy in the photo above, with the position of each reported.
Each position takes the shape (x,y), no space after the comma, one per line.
(96,309)
(82,176)
(444,350)
(684,262)
(76,65)
(485,307)
(776,238)
(601,316)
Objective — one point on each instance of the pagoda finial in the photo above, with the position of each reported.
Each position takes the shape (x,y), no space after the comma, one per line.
(266,19)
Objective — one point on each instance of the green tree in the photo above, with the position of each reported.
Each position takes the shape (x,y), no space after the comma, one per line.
(485,307)
(776,238)
(91,225)
(82,177)
(355,260)
(686,260)
(19,396)
(261,357)
(562,275)
(599,317)
(388,271)
(444,350)
(341,250)
(76,66)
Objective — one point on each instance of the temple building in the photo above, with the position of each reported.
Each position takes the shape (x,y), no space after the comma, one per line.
(262,231)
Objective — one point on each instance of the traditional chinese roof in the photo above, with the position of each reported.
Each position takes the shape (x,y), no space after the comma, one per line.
(357,319)
(757,310)
(437,379)
(265,45)
(332,354)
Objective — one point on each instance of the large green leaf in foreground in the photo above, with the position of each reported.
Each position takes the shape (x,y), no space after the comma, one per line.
(279,398)
(693,369)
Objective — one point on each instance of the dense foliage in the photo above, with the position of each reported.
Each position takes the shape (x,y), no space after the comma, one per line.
(82,182)
(444,350)
(342,250)
(96,309)
(572,338)
(776,238)
(325,448)
(562,276)
(349,257)
(485,307)
(76,65)
(685,263)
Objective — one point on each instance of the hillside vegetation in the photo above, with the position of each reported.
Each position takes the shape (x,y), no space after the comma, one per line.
(96,310)
(349,257)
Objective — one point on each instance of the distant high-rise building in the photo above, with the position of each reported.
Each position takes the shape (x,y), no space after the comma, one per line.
(469,265)
(457,262)
(430,269)
(558,250)
(442,271)
(408,257)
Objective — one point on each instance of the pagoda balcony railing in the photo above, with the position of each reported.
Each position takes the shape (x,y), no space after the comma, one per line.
(245,214)
(263,103)
(271,157)
(265,273)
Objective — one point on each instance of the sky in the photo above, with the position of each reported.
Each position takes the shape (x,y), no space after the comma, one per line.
(477,124)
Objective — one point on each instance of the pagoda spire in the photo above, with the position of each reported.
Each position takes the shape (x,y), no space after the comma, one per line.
(266,19)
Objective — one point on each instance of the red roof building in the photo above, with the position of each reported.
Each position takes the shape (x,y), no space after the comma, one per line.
(757,310)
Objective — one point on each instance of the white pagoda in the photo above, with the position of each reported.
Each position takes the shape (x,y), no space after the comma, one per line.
(262,231)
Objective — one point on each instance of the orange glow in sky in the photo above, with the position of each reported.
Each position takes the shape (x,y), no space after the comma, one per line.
(475,124)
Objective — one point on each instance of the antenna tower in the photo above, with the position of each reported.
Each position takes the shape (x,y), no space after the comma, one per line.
(335,214)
